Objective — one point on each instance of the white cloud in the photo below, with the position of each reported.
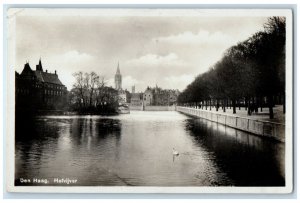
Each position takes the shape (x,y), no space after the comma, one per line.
(161,50)
(67,63)
(151,69)
(155,60)
(178,82)
(74,56)
(129,81)
(200,38)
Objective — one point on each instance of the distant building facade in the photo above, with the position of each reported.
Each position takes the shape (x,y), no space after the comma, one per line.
(148,97)
(151,96)
(39,90)
(155,97)
(136,99)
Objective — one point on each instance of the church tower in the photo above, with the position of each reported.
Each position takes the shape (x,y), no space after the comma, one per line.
(39,66)
(118,79)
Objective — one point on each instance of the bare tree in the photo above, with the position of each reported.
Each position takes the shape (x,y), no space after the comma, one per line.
(79,86)
(94,80)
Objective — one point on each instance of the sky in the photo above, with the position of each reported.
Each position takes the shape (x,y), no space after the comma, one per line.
(168,51)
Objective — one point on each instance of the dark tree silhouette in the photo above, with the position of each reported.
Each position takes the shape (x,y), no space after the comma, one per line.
(251,71)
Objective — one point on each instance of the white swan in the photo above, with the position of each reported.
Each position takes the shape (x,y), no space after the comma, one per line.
(175,153)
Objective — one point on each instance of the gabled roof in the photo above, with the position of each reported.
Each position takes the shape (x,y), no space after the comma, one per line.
(27,70)
(39,74)
(47,77)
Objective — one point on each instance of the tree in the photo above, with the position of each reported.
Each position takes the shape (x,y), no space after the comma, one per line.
(90,95)
(251,70)
(79,87)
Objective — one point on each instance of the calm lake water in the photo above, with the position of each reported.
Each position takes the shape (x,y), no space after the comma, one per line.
(136,150)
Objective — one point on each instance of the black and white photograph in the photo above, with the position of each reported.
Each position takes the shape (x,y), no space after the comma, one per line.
(150,100)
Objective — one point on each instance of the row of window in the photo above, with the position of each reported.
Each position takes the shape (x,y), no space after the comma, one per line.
(49,86)
(46,92)
(54,86)
(23,91)
(38,86)
(48,100)
(53,92)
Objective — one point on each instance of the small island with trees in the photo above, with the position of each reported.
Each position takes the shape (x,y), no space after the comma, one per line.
(90,95)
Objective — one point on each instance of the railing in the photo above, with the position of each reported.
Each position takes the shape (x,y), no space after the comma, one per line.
(258,127)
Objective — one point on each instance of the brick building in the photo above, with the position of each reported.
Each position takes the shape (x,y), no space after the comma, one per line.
(39,90)
(155,97)
(136,99)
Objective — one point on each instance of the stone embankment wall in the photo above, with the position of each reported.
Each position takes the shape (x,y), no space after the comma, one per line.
(153,108)
(258,127)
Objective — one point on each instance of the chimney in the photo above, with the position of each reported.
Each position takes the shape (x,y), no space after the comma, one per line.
(55,72)
(46,71)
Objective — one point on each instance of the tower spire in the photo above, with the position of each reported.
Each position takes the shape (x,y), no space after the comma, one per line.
(118,69)
(40,67)
(118,78)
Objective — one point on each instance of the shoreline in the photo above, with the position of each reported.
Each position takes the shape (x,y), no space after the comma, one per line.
(258,127)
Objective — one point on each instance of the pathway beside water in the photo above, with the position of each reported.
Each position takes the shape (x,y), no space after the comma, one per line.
(279,116)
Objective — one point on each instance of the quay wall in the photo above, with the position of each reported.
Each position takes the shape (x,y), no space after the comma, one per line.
(152,108)
(257,127)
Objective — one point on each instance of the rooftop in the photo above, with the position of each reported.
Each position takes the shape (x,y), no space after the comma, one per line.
(40,75)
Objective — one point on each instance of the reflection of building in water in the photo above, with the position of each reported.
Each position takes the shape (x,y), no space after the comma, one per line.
(39,89)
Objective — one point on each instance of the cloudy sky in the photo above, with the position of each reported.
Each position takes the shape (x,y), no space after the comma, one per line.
(165,50)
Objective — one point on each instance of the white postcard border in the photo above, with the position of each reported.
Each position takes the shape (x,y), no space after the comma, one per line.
(10,142)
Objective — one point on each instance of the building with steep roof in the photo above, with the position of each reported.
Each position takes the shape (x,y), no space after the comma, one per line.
(148,97)
(39,89)
(159,97)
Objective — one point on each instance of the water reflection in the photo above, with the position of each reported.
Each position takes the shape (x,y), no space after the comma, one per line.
(136,149)
(248,160)
(51,144)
